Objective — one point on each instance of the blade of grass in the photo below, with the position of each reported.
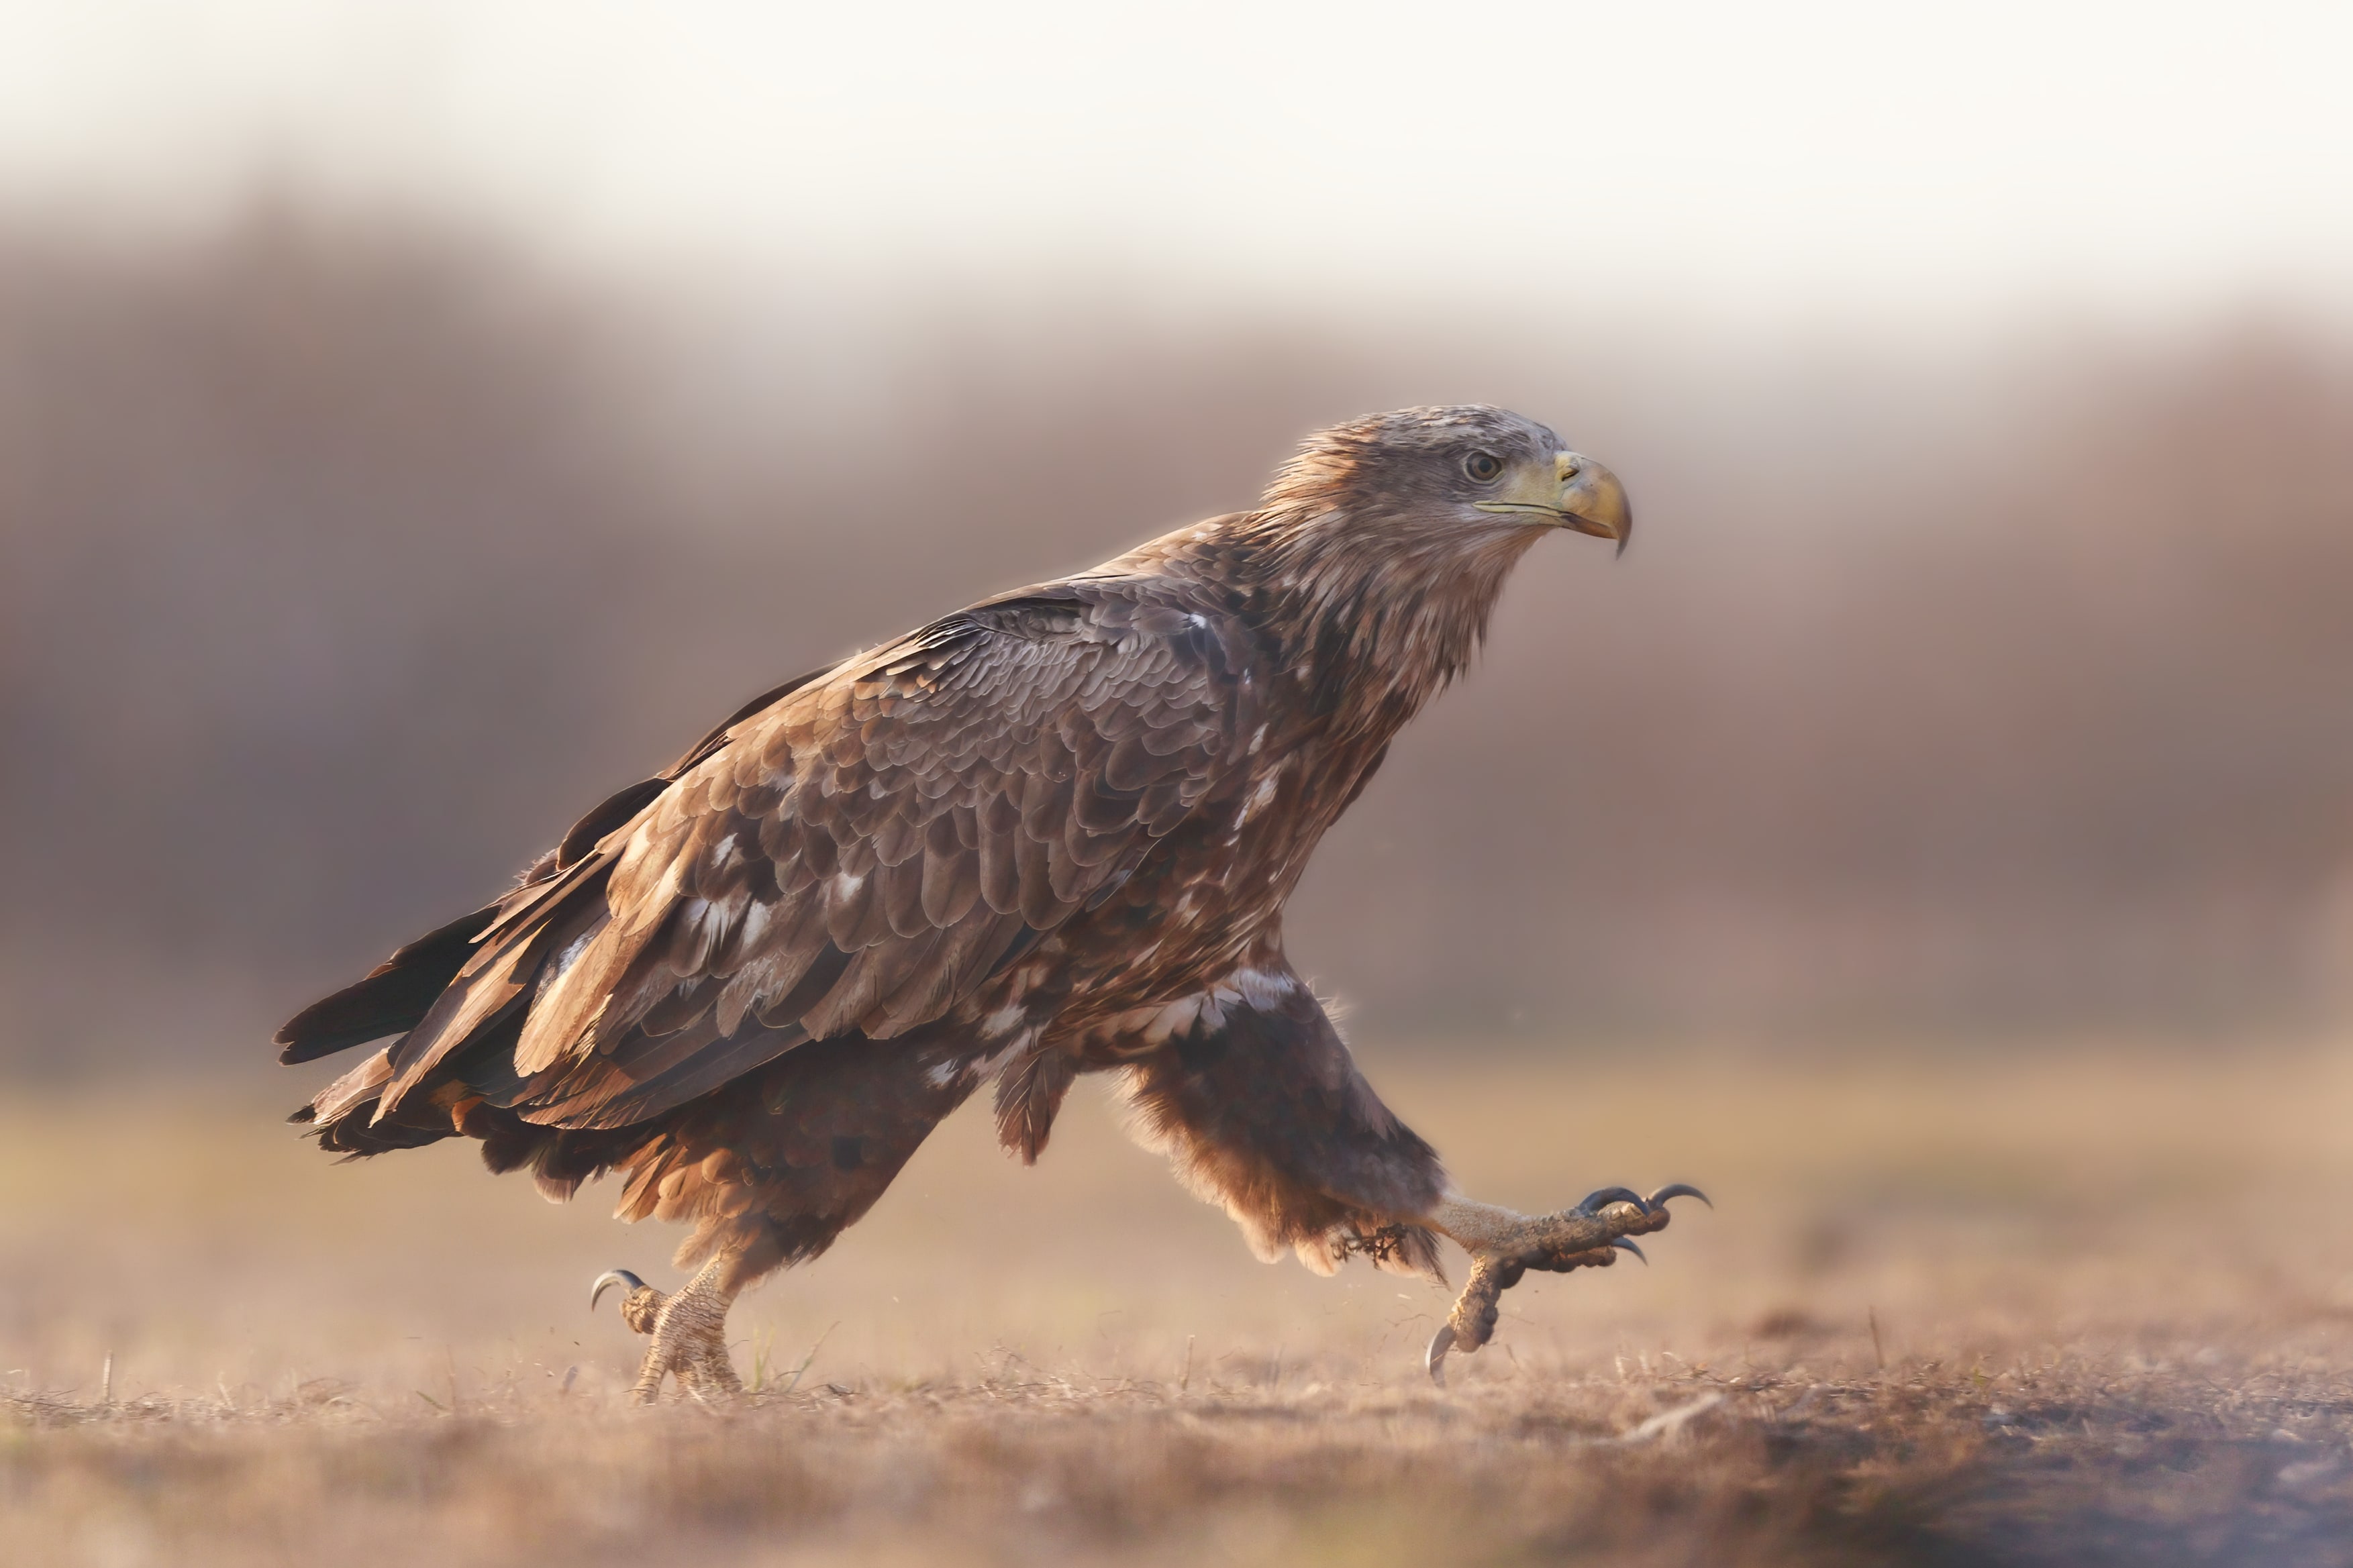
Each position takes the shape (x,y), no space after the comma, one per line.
(795,1381)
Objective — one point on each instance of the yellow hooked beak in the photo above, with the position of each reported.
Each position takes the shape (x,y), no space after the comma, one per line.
(1579,493)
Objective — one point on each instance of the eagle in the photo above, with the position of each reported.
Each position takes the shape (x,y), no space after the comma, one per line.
(1050,833)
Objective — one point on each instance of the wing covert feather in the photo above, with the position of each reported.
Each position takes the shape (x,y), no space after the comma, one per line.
(864,852)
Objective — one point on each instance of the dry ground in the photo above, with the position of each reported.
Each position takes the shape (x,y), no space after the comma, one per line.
(2073,1306)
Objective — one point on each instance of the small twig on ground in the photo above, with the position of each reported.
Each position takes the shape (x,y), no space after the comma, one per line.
(1667,1423)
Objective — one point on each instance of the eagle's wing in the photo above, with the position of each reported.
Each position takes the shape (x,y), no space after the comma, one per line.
(858,857)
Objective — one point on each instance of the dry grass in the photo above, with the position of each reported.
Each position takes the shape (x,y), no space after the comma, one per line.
(2111,1291)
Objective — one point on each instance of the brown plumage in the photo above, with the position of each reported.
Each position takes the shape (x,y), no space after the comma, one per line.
(1050,833)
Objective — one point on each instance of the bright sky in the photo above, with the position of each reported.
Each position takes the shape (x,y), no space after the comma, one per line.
(1747,158)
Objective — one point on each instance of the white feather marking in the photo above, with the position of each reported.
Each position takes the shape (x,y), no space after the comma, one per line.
(986,1066)
(1177,1018)
(571,954)
(1261,989)
(1258,797)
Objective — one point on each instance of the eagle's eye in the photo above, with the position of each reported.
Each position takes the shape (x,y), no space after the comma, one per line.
(1482,467)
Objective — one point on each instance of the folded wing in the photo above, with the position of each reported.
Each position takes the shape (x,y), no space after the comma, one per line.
(856,857)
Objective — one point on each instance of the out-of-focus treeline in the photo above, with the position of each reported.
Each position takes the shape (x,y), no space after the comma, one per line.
(342,564)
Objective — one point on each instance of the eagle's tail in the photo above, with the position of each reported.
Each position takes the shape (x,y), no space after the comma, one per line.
(342,1116)
(392,999)
(394,996)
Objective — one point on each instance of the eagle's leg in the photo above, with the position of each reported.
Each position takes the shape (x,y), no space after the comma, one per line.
(688,1329)
(1503,1245)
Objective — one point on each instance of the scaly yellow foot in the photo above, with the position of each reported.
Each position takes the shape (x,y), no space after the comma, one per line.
(688,1329)
(1504,1246)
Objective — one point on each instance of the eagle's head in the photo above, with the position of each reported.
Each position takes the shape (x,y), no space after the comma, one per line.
(1381,549)
(1463,474)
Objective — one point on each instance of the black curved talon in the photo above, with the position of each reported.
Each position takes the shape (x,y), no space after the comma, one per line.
(1624,1244)
(641,1304)
(621,1277)
(1593,1201)
(1679,1190)
(1433,1360)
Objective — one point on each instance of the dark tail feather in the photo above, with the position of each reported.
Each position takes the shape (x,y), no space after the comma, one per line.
(339,1117)
(394,995)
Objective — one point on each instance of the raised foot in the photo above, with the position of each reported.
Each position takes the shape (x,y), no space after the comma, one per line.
(1589,1236)
(688,1329)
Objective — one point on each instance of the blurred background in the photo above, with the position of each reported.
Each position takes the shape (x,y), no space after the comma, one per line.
(417,420)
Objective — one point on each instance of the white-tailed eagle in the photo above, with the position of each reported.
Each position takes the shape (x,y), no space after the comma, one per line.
(1050,833)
